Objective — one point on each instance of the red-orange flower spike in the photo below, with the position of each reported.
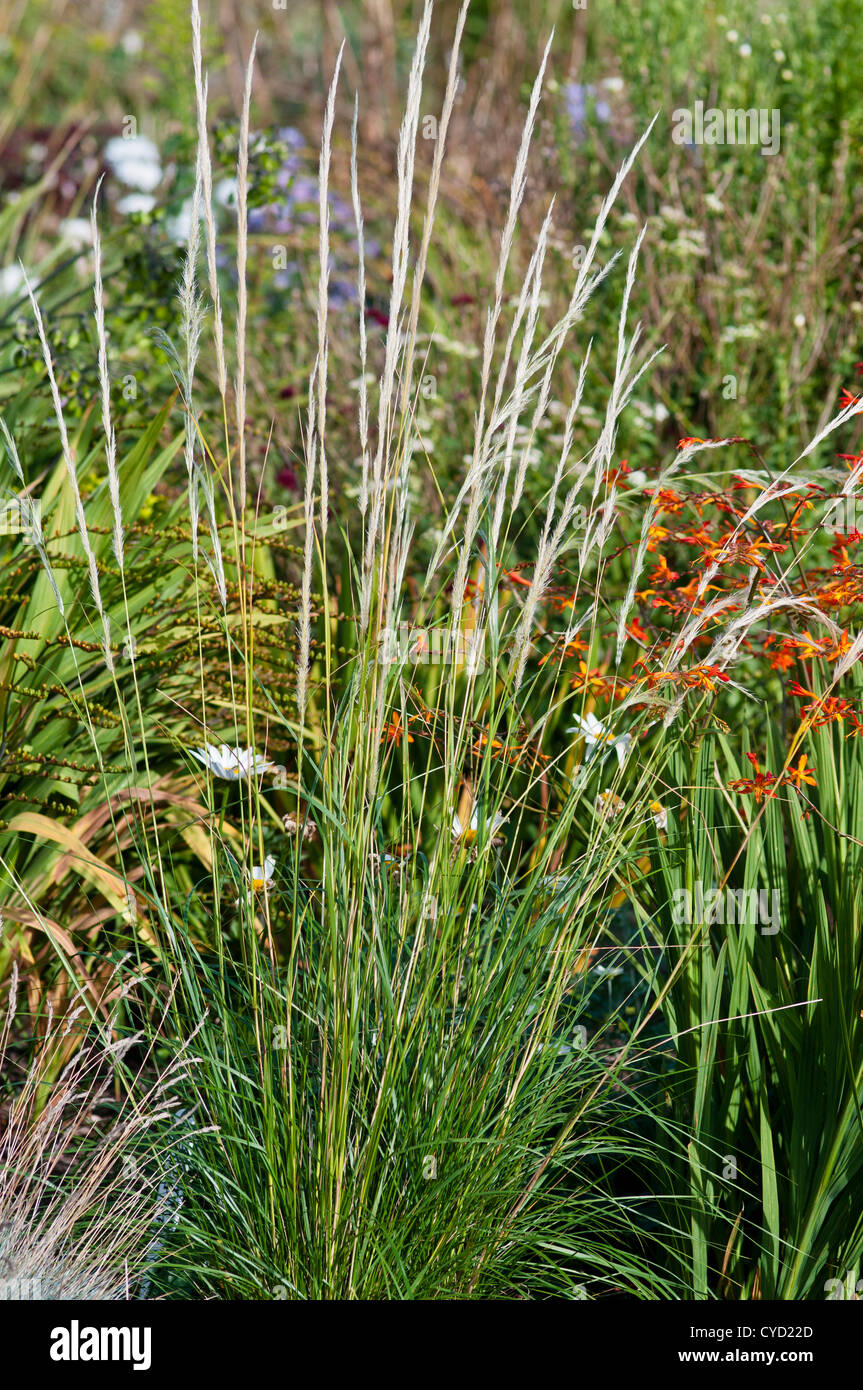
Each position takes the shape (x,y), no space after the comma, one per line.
(825,709)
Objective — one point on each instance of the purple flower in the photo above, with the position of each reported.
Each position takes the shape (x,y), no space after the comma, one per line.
(286,477)
(576,98)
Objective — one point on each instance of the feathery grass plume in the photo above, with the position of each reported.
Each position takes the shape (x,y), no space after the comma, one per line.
(405,160)
(727,645)
(207,186)
(323,286)
(584,286)
(305,631)
(105,385)
(621,389)
(516,197)
(361,313)
(35,519)
(12,450)
(854,407)
(242,256)
(539,410)
(191,323)
(79,1190)
(502,413)
(528,301)
(635,574)
(622,386)
(431,200)
(851,656)
(73,478)
(552,542)
(518,186)
(216,564)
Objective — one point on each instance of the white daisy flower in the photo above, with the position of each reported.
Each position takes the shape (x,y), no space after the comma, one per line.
(659,814)
(136,202)
(471,830)
(595,736)
(259,877)
(609,804)
(134,160)
(179,228)
(77,231)
(225,193)
(11,280)
(608,972)
(232,763)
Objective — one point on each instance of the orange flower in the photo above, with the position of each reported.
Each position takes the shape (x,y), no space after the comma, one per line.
(758,786)
(825,709)
(801,774)
(653,678)
(515,578)
(590,680)
(565,649)
(781,661)
(667,500)
(703,677)
(662,574)
(495,744)
(838,648)
(812,646)
(657,533)
(395,731)
(613,475)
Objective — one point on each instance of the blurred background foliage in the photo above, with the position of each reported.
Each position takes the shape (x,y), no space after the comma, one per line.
(750,272)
